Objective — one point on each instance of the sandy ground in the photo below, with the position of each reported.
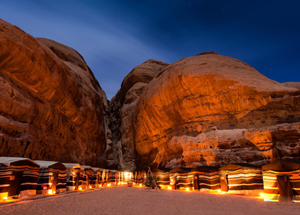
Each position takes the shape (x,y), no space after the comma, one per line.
(134,200)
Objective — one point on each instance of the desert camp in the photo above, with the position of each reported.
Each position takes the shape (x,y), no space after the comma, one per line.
(276,181)
(244,182)
(149,107)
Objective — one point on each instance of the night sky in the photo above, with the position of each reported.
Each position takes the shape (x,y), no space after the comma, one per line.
(114,36)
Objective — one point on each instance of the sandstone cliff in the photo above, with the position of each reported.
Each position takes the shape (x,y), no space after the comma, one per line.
(213,110)
(203,110)
(52,107)
(122,109)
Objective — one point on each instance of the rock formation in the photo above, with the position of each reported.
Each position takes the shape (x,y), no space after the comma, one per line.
(203,110)
(213,110)
(52,107)
(122,109)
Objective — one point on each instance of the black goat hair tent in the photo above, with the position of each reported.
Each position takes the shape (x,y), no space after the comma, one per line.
(282,180)
(241,177)
(23,176)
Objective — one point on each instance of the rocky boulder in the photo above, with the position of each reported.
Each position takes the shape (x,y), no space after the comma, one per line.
(213,110)
(52,107)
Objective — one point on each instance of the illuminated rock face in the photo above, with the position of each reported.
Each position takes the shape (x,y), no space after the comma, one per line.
(213,110)
(51,104)
(122,109)
(202,110)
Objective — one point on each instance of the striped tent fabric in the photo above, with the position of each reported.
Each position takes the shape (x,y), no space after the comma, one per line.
(97,177)
(103,176)
(117,178)
(82,180)
(120,177)
(108,176)
(88,177)
(5,174)
(181,178)
(135,177)
(241,178)
(112,177)
(52,177)
(206,178)
(139,178)
(75,175)
(24,176)
(282,181)
(163,177)
(100,176)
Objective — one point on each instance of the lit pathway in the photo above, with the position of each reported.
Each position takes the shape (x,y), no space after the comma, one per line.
(134,200)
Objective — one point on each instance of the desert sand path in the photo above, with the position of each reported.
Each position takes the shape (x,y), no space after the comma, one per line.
(125,200)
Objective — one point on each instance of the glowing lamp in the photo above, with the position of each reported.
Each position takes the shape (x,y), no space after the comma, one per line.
(50,192)
(187,189)
(53,192)
(100,185)
(108,185)
(219,191)
(5,198)
(140,185)
(50,184)
(79,188)
(74,187)
(262,195)
(90,187)
(169,188)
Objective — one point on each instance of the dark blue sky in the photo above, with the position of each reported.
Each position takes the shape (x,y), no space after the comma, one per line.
(116,35)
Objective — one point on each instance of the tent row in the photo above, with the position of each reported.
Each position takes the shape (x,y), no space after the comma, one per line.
(277,181)
(23,177)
